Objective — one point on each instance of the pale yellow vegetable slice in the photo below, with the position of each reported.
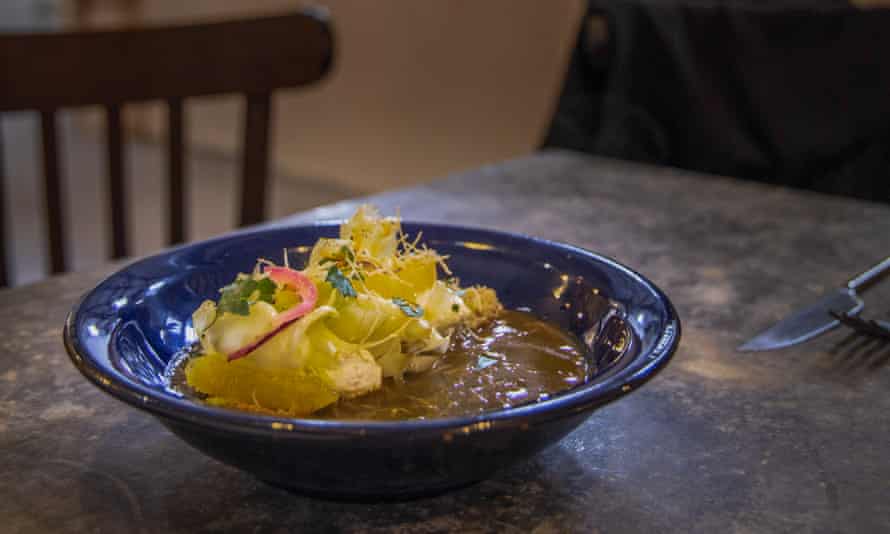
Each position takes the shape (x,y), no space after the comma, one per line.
(245,384)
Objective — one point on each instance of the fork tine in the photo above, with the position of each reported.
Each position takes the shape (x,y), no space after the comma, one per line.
(880,360)
(879,328)
(841,345)
(865,326)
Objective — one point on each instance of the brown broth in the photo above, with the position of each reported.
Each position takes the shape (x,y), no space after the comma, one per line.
(514,360)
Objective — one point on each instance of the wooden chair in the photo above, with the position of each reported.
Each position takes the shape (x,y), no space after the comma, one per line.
(48,71)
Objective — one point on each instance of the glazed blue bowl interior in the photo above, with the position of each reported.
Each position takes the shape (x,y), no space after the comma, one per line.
(124,333)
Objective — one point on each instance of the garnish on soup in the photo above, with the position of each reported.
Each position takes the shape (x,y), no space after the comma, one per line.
(367,329)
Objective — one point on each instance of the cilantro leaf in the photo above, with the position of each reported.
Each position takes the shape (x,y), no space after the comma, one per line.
(408,309)
(455,308)
(233,304)
(237,296)
(266,288)
(340,282)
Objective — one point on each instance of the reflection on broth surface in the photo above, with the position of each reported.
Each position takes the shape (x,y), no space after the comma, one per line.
(513,360)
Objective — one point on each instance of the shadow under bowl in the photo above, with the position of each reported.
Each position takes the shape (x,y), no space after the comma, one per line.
(123,334)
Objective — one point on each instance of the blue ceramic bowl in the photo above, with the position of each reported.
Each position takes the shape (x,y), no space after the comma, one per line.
(124,332)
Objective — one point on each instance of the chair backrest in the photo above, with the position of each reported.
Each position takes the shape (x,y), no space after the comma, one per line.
(48,71)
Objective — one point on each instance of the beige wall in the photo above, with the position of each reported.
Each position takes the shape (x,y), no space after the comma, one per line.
(420,88)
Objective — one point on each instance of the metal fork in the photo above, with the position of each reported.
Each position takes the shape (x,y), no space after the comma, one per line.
(870,327)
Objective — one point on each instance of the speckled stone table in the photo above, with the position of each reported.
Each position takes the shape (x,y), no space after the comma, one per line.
(796,440)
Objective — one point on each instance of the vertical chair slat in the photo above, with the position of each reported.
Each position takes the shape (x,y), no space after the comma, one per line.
(255,170)
(52,192)
(4,242)
(116,192)
(176,200)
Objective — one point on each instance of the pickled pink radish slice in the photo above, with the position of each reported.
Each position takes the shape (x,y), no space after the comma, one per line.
(307,291)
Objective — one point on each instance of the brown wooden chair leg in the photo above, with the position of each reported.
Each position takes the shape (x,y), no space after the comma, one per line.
(176,199)
(117,197)
(52,191)
(4,242)
(256,158)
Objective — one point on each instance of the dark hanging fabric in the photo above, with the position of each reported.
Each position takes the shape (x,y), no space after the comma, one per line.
(791,93)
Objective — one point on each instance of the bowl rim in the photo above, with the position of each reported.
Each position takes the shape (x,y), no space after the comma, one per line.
(579,399)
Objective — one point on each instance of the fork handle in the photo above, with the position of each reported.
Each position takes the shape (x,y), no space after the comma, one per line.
(868,277)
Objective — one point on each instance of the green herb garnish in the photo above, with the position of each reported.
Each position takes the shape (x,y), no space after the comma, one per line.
(239,295)
(455,308)
(339,282)
(407,308)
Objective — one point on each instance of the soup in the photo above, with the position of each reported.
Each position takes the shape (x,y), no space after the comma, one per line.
(513,360)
